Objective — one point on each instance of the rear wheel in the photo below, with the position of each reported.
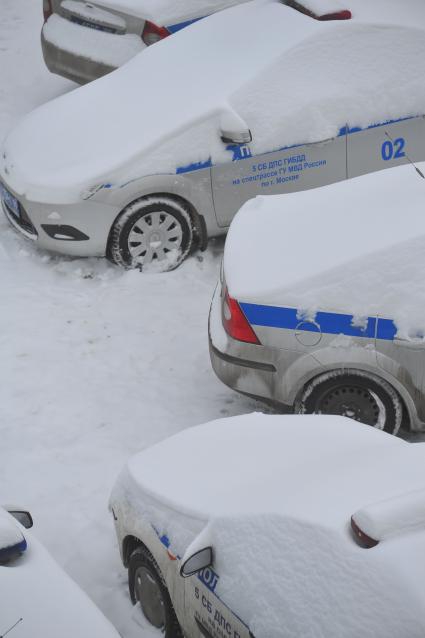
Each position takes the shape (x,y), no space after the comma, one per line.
(152,234)
(148,588)
(356,395)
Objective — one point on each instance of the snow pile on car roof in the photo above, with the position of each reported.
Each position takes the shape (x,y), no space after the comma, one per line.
(349,72)
(299,580)
(170,12)
(255,457)
(301,83)
(357,247)
(274,496)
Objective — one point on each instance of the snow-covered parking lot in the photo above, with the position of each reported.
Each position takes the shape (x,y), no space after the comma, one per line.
(96,363)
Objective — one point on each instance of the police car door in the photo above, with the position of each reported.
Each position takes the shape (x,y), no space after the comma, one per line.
(286,170)
(207,616)
(385,145)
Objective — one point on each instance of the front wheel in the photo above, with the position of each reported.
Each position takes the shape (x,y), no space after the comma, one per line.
(147,587)
(152,234)
(356,395)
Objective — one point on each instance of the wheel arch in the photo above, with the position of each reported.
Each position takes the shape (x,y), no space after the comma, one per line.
(375,374)
(129,544)
(198,220)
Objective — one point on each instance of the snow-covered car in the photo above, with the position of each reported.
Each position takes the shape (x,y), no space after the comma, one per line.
(37,599)
(84,40)
(321,308)
(140,176)
(281,526)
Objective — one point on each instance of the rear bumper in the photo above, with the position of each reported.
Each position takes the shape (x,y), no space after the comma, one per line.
(241,366)
(82,54)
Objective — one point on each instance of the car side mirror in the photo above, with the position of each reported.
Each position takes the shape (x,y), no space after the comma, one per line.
(233,130)
(23,517)
(196,562)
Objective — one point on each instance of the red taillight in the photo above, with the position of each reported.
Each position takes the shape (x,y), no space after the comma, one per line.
(152,33)
(47,9)
(339,15)
(362,539)
(235,323)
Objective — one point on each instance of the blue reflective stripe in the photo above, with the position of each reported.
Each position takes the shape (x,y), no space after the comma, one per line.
(196,166)
(329,322)
(386,329)
(243,152)
(165,540)
(173,28)
(347,130)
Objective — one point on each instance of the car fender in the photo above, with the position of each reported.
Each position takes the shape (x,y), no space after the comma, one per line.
(140,530)
(360,358)
(193,187)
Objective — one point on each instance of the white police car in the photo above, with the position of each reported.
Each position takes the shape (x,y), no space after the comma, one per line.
(37,599)
(321,309)
(85,40)
(258,526)
(143,175)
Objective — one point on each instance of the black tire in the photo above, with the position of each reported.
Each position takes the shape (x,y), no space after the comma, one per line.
(152,233)
(357,395)
(142,563)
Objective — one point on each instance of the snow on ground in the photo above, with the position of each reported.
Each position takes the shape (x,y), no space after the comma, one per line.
(96,363)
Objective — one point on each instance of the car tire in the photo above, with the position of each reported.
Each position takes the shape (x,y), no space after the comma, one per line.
(357,395)
(153,234)
(147,587)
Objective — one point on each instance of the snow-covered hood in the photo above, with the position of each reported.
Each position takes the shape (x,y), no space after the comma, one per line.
(253,460)
(357,247)
(48,601)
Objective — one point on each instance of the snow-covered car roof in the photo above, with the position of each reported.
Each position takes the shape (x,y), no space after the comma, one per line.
(168,12)
(357,246)
(330,73)
(283,465)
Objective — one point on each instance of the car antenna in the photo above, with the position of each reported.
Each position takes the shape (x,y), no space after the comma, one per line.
(418,170)
(12,627)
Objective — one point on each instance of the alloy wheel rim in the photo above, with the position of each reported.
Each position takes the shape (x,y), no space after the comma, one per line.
(150,597)
(153,236)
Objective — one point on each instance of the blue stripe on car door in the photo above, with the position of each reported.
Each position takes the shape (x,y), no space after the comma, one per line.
(329,322)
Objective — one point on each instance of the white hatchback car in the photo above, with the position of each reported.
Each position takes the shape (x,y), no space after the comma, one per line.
(276,526)
(116,168)
(321,309)
(37,599)
(84,40)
